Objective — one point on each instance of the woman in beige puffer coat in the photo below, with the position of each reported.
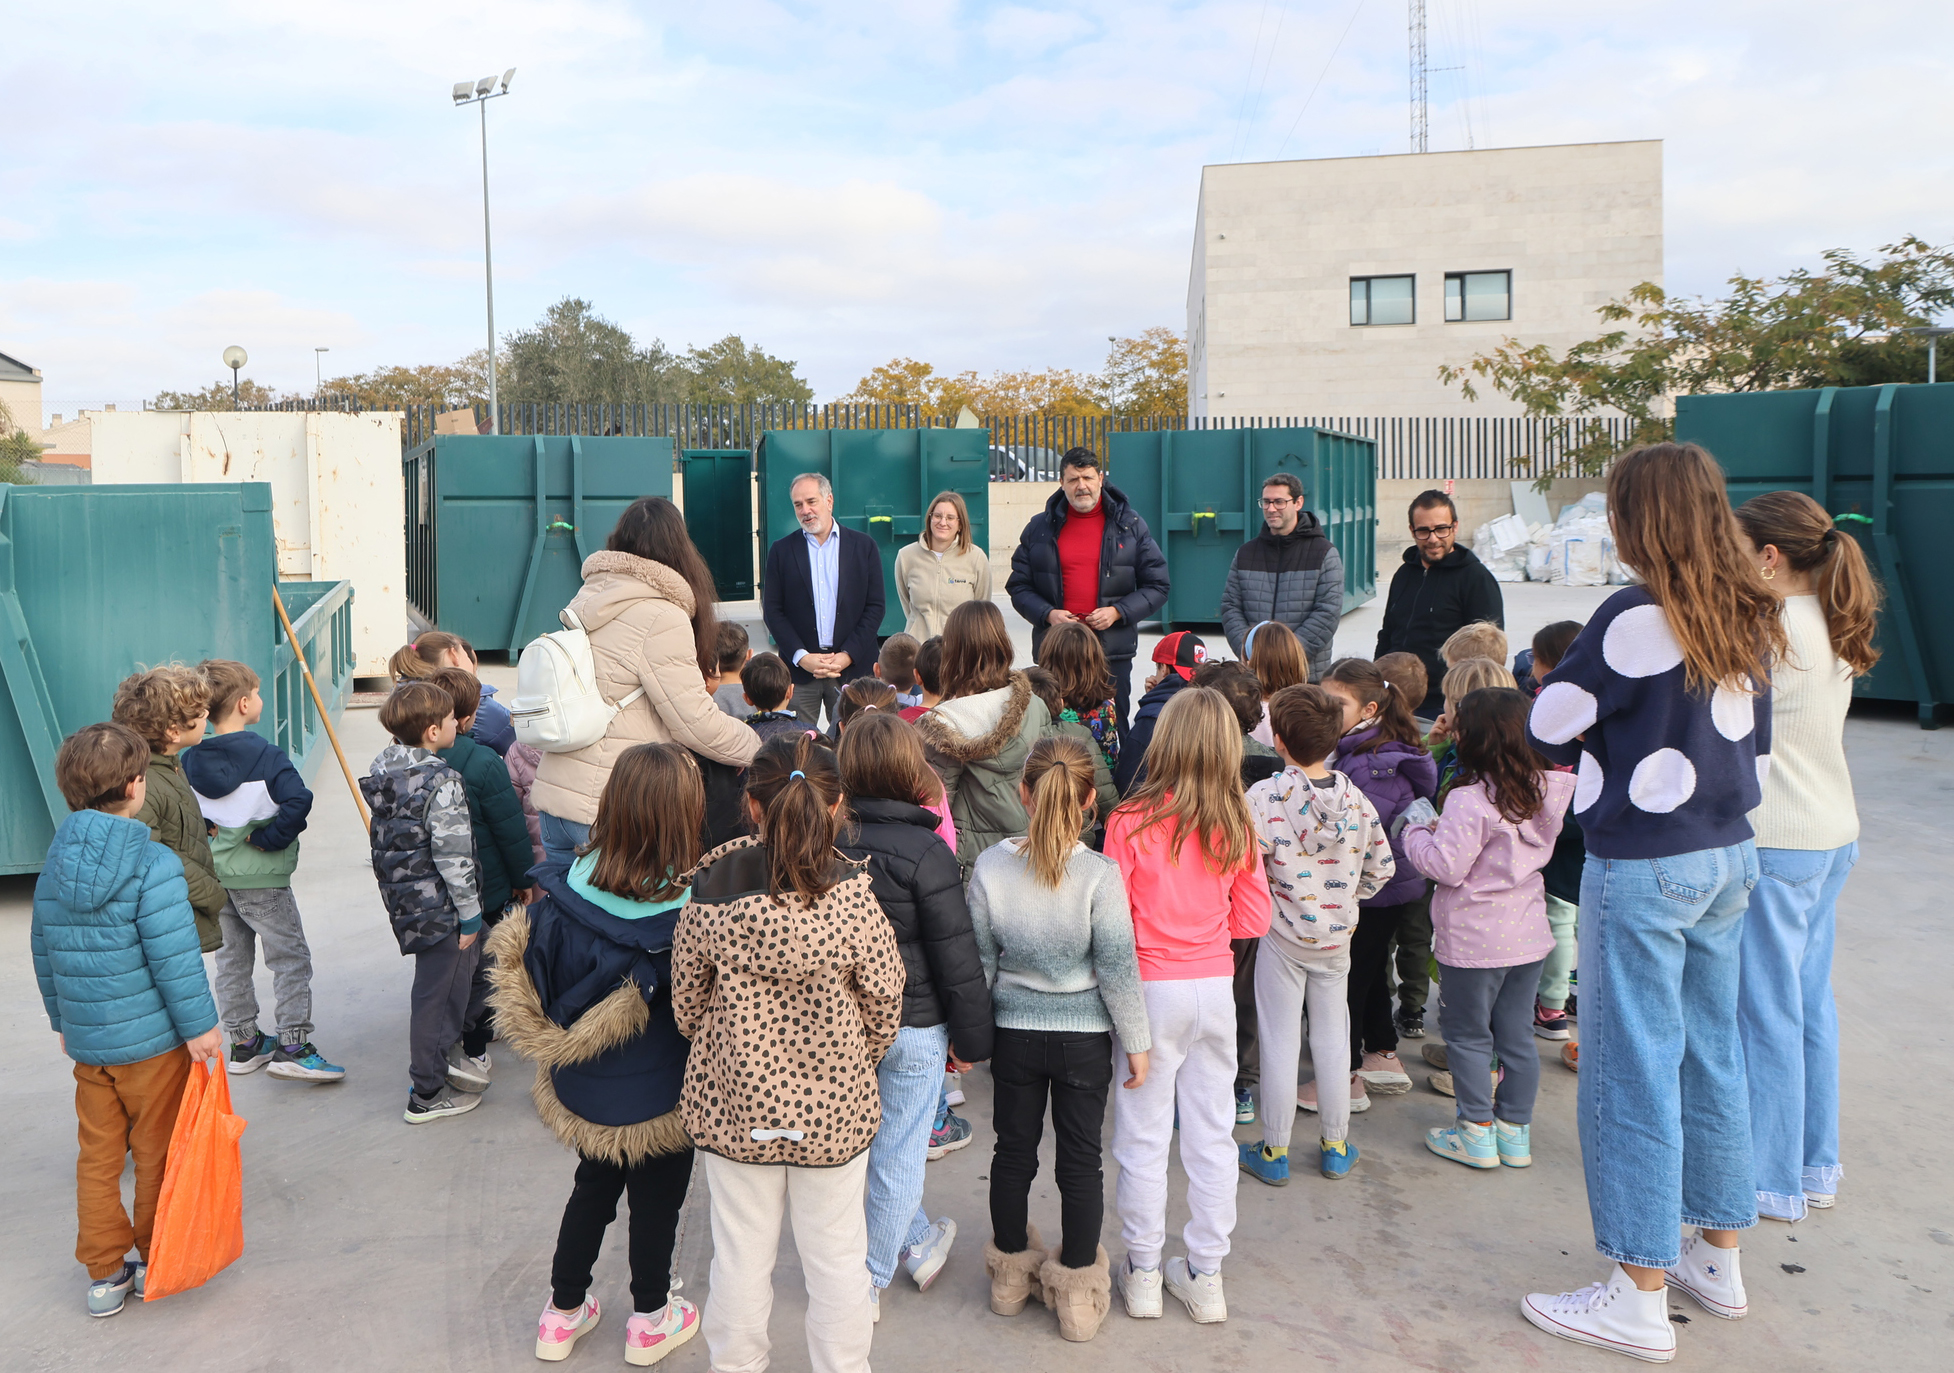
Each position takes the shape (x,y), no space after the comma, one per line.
(942,570)
(647,606)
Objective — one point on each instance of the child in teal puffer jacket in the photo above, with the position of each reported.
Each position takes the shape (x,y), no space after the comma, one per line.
(115,952)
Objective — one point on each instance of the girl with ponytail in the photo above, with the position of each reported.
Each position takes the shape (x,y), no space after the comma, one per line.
(1807,842)
(1056,939)
(788,982)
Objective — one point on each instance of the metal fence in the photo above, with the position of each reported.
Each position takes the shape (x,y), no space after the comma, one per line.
(1028,447)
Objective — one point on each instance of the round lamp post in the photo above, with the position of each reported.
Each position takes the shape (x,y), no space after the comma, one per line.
(234,358)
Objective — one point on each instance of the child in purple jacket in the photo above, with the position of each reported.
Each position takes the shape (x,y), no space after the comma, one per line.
(1383,752)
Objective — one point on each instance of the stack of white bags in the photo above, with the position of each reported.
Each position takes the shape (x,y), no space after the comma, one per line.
(1577,550)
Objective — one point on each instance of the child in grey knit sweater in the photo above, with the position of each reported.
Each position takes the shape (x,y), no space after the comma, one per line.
(1056,939)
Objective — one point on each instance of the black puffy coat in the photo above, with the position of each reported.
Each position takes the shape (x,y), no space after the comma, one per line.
(1428,605)
(916,878)
(1132,571)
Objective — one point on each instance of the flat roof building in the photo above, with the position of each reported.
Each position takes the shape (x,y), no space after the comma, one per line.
(1338,286)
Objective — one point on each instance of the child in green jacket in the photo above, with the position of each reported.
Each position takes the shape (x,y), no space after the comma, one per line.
(167,706)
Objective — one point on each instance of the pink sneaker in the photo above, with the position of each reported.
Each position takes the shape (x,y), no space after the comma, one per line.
(647,1339)
(557,1333)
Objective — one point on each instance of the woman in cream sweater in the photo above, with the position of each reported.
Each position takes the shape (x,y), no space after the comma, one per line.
(1807,830)
(942,570)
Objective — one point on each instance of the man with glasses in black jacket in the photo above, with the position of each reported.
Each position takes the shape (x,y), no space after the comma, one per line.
(1440,589)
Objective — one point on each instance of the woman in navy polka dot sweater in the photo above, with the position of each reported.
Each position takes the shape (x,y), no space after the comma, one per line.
(1662,705)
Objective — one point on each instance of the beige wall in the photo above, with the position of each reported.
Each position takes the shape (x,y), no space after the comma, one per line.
(1276,244)
(23,398)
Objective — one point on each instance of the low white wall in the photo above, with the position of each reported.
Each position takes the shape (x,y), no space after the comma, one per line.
(337,508)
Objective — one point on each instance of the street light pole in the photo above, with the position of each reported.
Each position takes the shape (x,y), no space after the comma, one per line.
(317,384)
(234,358)
(480,93)
(1933,333)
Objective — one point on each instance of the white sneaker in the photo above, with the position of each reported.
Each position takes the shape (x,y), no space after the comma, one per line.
(926,1260)
(1139,1289)
(1609,1315)
(464,1072)
(1201,1292)
(955,1084)
(1712,1276)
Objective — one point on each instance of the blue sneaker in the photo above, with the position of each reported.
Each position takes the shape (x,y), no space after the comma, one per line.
(948,1137)
(1515,1144)
(302,1063)
(1270,1168)
(106,1295)
(1338,1157)
(1244,1106)
(249,1055)
(1464,1142)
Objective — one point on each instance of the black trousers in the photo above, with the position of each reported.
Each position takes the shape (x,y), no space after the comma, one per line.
(1372,1030)
(1074,1071)
(1121,670)
(657,1189)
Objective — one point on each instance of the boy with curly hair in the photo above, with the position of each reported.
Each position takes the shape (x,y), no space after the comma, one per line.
(167,706)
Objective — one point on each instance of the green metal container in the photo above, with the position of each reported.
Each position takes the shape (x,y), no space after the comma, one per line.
(1881,459)
(99,581)
(884,480)
(498,526)
(1199,491)
(719,515)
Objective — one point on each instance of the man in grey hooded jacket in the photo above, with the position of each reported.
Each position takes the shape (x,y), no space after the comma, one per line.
(1289,572)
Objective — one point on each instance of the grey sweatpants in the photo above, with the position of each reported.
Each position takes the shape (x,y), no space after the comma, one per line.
(442,976)
(1286,983)
(1485,1009)
(270,916)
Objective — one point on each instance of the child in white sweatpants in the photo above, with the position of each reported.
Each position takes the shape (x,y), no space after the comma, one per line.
(1324,851)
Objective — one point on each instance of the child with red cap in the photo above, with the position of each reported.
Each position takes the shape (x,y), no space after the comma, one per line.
(1176,656)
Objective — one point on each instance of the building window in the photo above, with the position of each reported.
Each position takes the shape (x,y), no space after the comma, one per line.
(1478,295)
(1381,300)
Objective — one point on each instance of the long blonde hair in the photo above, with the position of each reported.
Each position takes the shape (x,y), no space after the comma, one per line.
(1801,530)
(1194,780)
(1674,527)
(1058,774)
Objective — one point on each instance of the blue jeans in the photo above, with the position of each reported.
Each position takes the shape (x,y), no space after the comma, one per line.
(1664,1114)
(1790,1026)
(561,838)
(911,1077)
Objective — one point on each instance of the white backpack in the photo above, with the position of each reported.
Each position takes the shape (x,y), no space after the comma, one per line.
(558,708)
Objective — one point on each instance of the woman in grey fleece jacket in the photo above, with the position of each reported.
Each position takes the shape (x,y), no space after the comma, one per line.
(1056,939)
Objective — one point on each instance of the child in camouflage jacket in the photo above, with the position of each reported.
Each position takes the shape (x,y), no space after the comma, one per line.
(424,858)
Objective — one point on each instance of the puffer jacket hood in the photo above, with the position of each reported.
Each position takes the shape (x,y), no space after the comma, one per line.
(115,943)
(789,1007)
(978,745)
(1392,775)
(638,614)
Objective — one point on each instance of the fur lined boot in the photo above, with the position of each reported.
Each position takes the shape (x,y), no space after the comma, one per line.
(1014,1276)
(1080,1297)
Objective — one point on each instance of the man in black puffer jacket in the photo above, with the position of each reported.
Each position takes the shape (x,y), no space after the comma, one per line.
(1290,572)
(946,1003)
(1090,557)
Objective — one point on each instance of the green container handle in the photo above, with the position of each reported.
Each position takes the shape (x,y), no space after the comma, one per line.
(555,525)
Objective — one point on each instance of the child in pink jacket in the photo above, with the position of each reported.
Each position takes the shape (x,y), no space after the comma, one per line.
(1489,922)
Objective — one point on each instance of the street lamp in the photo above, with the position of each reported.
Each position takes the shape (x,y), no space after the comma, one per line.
(234,358)
(317,384)
(1933,333)
(480,93)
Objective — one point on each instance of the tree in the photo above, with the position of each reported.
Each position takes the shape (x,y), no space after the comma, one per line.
(448,387)
(1147,374)
(15,448)
(217,396)
(1834,327)
(577,356)
(730,373)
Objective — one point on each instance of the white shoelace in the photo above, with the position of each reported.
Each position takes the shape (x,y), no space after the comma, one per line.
(1586,1299)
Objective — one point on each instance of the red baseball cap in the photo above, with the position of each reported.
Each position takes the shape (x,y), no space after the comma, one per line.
(1182,651)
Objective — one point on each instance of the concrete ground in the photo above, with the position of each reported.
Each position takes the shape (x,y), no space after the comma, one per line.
(373,1247)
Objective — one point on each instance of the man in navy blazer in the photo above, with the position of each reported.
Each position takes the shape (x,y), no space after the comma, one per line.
(822,599)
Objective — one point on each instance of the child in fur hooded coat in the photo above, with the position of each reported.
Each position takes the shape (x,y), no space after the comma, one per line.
(582,986)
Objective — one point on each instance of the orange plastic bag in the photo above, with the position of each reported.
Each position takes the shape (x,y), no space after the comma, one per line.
(200,1212)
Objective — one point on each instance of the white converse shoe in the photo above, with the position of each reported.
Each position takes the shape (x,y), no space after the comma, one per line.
(1139,1290)
(1200,1291)
(1711,1275)
(1609,1315)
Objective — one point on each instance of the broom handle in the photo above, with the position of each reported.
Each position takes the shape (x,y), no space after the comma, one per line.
(325,719)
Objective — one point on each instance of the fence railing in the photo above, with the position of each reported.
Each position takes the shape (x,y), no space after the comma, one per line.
(1028,447)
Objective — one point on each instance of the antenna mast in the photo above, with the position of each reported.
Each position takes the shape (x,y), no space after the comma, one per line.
(1420,107)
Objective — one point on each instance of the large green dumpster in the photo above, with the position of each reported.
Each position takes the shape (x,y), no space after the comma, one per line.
(498,526)
(1199,491)
(883,480)
(1880,457)
(719,515)
(98,581)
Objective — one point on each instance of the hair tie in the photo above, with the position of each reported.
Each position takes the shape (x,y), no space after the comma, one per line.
(866,709)
(1391,684)
(796,773)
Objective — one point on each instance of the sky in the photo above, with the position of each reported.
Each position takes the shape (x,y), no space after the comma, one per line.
(977,185)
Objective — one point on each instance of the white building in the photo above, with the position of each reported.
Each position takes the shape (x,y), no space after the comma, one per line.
(1338,286)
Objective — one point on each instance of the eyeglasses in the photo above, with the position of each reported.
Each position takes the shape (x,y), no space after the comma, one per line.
(1276,504)
(1432,531)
